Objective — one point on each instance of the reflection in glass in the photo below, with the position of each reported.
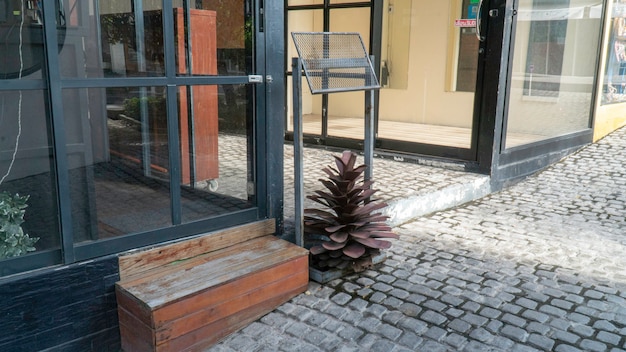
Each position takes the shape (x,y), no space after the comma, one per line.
(118,159)
(214,37)
(25,172)
(125,38)
(554,65)
(21,38)
(614,89)
(216,150)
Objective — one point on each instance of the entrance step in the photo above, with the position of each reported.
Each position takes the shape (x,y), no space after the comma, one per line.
(189,295)
(404,209)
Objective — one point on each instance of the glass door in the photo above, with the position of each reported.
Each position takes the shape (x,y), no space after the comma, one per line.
(429,64)
(553,70)
(334,119)
(427,56)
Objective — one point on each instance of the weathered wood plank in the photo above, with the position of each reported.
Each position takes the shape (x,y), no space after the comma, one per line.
(236,303)
(136,336)
(138,262)
(224,292)
(207,335)
(240,260)
(134,306)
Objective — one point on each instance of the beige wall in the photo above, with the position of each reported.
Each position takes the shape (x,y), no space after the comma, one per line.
(570,110)
(426,99)
(609,117)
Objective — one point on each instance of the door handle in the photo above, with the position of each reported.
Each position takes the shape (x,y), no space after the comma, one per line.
(478,21)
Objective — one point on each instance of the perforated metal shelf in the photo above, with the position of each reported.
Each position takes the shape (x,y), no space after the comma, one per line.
(335,61)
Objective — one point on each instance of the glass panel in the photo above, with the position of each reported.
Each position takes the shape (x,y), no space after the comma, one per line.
(346,110)
(304,21)
(118,159)
(304,2)
(554,64)
(216,150)
(347,1)
(215,37)
(615,75)
(113,39)
(28,205)
(21,40)
(415,104)
(467,63)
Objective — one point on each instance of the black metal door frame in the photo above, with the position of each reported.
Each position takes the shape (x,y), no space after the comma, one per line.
(267,100)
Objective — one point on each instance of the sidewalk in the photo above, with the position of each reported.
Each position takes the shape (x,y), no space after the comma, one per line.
(540,266)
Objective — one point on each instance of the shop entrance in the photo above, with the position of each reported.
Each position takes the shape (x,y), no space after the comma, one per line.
(426,54)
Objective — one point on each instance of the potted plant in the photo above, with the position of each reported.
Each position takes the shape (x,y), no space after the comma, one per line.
(13,241)
(347,233)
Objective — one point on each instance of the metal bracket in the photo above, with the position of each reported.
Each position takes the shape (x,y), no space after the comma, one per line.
(255,79)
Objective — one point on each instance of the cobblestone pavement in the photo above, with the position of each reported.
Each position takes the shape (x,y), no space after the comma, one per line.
(540,266)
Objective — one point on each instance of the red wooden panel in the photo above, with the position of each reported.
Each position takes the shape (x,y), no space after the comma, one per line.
(230,301)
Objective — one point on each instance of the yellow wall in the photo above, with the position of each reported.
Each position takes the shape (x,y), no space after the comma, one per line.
(426,98)
(609,117)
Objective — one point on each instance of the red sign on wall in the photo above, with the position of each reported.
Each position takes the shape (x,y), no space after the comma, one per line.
(465,23)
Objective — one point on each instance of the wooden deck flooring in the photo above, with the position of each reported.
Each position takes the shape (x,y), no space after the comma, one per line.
(449,136)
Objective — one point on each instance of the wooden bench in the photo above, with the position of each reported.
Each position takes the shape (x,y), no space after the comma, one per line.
(189,295)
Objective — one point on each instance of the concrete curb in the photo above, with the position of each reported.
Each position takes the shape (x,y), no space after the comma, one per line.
(403,210)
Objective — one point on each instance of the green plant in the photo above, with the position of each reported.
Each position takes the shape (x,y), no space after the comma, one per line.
(155,106)
(13,241)
(348,230)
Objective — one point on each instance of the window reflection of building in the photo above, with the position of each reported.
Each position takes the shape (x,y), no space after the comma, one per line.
(615,77)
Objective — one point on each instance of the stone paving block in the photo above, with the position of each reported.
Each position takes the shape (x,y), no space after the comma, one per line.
(435,333)
(566,337)
(540,341)
(434,305)
(341,298)
(459,325)
(410,340)
(604,325)
(413,325)
(433,317)
(515,333)
(433,347)
(536,316)
(514,320)
(566,348)
(609,338)
(490,313)
(590,345)
(350,333)
(410,309)
(582,330)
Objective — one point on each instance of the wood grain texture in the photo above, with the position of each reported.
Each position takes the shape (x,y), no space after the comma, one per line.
(139,262)
(188,295)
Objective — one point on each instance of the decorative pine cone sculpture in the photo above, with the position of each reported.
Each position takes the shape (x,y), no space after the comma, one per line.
(349,231)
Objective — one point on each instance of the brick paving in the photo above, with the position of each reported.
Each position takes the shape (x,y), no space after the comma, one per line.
(539,266)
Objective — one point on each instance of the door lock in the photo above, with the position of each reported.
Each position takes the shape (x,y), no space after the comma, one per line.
(255,79)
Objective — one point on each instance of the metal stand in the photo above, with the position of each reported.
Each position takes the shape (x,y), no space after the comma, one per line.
(329,72)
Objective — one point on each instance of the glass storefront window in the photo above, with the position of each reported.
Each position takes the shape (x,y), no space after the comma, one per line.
(118,160)
(120,157)
(130,42)
(614,88)
(28,210)
(217,175)
(554,65)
